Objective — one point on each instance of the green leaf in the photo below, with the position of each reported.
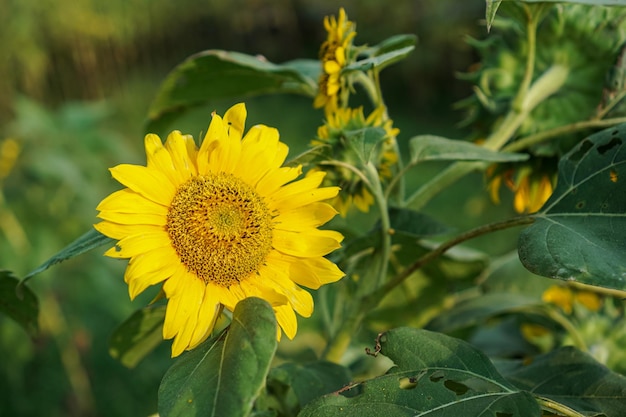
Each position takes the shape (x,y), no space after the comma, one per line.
(391,44)
(19,302)
(579,233)
(88,241)
(435,375)
(224,375)
(139,335)
(490,14)
(476,310)
(415,224)
(217,74)
(589,2)
(379,62)
(573,378)
(310,380)
(363,141)
(436,148)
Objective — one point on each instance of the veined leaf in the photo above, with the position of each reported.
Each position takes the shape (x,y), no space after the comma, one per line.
(436,148)
(139,335)
(216,74)
(224,375)
(90,240)
(380,61)
(391,44)
(435,375)
(363,141)
(573,378)
(579,233)
(19,303)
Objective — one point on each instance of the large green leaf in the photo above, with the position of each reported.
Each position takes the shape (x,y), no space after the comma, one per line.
(436,148)
(224,375)
(573,378)
(139,335)
(363,141)
(90,240)
(217,74)
(19,302)
(307,381)
(579,234)
(435,375)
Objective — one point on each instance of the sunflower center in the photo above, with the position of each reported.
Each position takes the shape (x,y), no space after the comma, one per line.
(220,228)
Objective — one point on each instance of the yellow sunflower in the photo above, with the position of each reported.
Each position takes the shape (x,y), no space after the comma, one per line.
(219,224)
(353,191)
(334,54)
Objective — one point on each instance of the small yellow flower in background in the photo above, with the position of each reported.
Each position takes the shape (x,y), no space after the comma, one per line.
(559,296)
(221,223)
(353,190)
(9,151)
(590,300)
(531,190)
(334,55)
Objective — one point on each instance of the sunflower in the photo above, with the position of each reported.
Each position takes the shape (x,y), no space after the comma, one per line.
(219,224)
(354,191)
(334,55)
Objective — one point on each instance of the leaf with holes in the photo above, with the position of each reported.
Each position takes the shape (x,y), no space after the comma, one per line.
(435,376)
(579,233)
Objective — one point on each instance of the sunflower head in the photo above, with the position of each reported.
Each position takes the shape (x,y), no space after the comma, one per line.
(335,53)
(219,223)
(334,133)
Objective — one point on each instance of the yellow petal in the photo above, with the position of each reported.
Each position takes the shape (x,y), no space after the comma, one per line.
(259,148)
(161,258)
(134,218)
(119,231)
(181,315)
(276,178)
(128,201)
(306,244)
(303,198)
(139,283)
(150,183)
(137,244)
(212,140)
(235,119)
(208,314)
(300,300)
(179,147)
(314,272)
(159,158)
(287,320)
(302,218)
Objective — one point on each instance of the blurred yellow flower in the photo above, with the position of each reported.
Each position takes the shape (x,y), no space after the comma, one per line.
(353,190)
(334,54)
(9,151)
(559,296)
(531,190)
(219,224)
(590,300)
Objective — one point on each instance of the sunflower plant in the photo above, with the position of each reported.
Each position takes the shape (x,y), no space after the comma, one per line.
(321,284)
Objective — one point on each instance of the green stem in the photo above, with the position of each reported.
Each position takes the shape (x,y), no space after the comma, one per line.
(548,404)
(619,97)
(546,135)
(385,224)
(531,37)
(546,85)
(578,340)
(374,298)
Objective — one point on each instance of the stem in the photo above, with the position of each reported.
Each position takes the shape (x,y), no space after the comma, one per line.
(385,224)
(546,85)
(548,404)
(531,37)
(578,340)
(611,104)
(531,140)
(374,298)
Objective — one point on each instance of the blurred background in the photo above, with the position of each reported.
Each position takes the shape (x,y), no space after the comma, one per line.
(76,80)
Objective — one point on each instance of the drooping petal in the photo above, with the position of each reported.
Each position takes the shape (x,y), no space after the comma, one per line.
(314,272)
(159,158)
(276,178)
(306,244)
(151,184)
(287,320)
(235,119)
(133,218)
(207,315)
(259,148)
(209,148)
(300,300)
